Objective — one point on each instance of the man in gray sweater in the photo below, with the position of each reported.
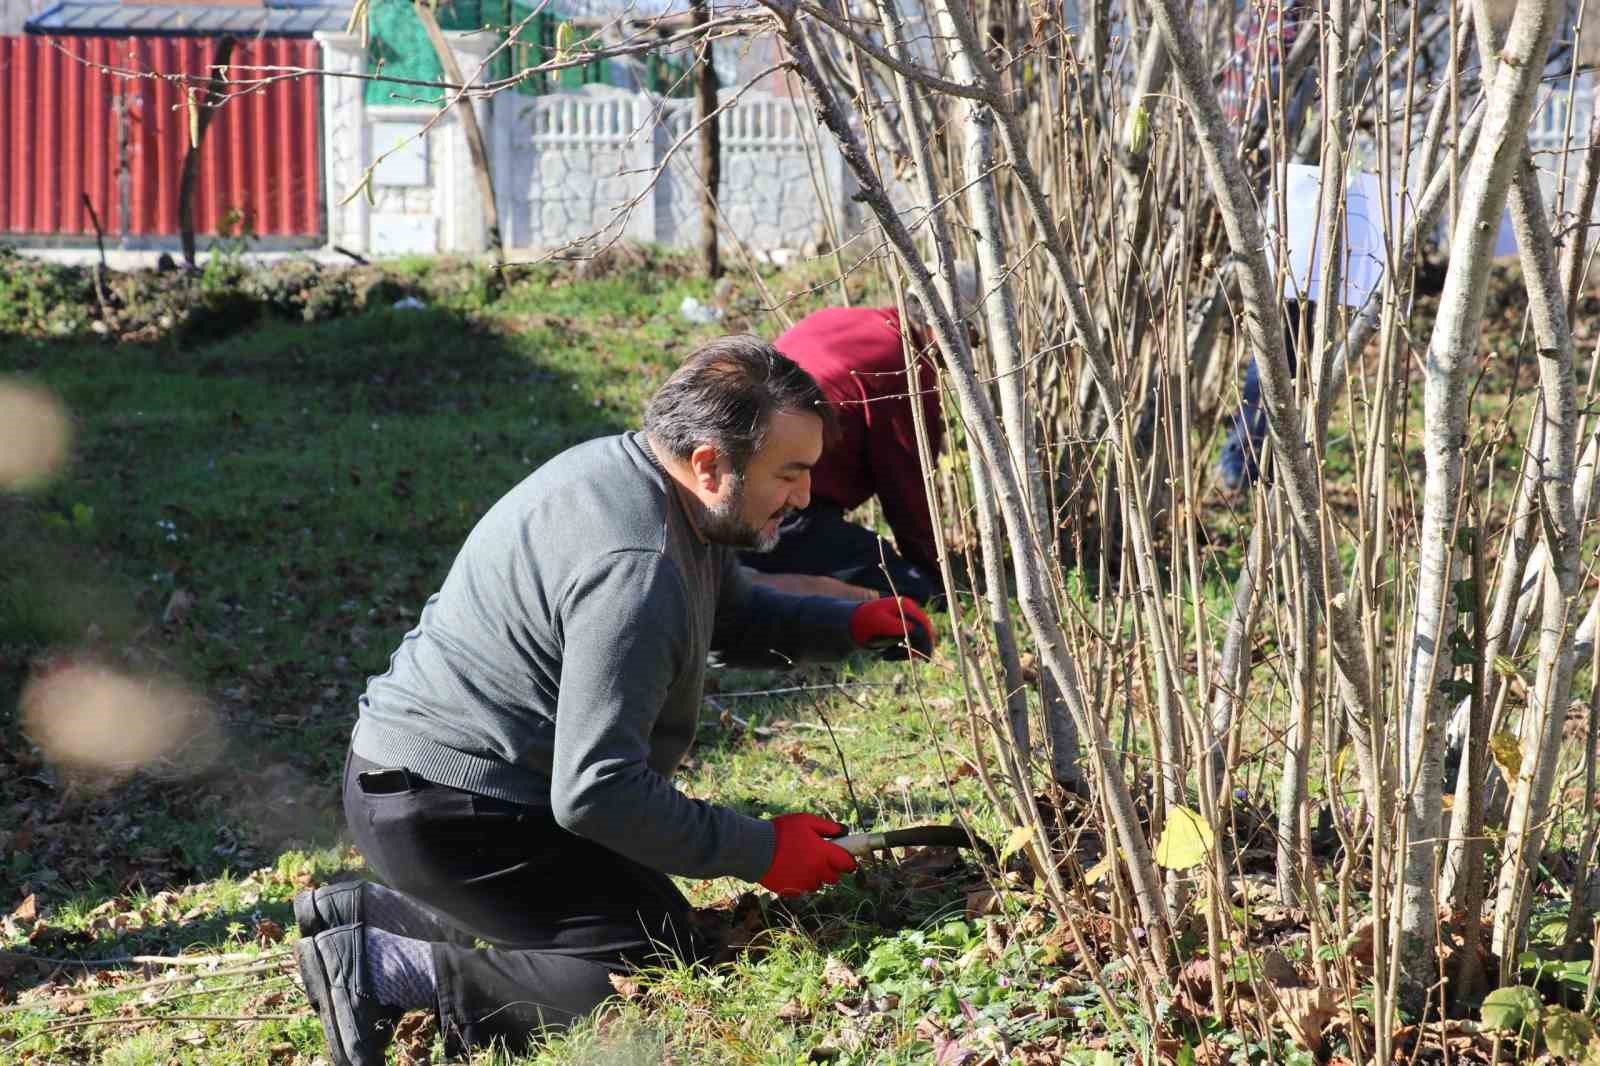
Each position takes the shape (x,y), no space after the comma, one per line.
(509,777)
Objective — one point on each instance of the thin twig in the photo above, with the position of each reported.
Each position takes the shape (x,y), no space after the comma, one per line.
(163,982)
(832,686)
(84,1023)
(145,960)
(844,765)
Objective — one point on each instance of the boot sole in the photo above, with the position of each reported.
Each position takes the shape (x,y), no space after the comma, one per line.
(306,916)
(320,993)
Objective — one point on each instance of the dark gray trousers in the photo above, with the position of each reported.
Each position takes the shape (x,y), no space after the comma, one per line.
(561,913)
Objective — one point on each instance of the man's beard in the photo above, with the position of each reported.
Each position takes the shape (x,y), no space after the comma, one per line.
(724,523)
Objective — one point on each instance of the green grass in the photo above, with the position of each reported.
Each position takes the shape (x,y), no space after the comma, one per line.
(303,488)
(261,515)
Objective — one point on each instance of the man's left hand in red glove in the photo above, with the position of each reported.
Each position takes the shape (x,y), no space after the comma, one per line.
(803,858)
(889,623)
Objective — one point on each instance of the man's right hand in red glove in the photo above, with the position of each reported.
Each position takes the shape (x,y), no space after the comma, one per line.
(889,623)
(804,859)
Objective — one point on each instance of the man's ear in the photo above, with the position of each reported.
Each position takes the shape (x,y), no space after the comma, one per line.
(706,463)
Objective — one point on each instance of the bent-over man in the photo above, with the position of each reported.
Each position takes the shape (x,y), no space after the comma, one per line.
(858,356)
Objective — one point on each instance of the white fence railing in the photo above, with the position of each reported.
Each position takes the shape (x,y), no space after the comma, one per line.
(1548,130)
(600,162)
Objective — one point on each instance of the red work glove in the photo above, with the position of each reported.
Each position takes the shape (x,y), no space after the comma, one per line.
(886,623)
(803,859)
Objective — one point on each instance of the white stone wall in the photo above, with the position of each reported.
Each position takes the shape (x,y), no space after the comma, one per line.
(408,195)
(573,166)
(578,167)
(424,194)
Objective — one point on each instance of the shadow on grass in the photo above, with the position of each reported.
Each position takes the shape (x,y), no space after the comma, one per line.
(230,931)
(262,517)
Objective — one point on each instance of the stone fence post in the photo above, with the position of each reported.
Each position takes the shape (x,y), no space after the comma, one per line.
(464,230)
(344,138)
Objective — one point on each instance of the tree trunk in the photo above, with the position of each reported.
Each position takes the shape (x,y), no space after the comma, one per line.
(199,124)
(469,126)
(1451,351)
(1293,866)
(1558,408)
(705,105)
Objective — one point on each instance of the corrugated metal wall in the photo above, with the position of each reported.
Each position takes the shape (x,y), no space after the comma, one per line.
(69,128)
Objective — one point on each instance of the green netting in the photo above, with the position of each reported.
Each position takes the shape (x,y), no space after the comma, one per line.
(669,76)
(398,46)
(537,44)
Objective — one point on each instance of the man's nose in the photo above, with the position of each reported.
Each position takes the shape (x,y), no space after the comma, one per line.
(800,498)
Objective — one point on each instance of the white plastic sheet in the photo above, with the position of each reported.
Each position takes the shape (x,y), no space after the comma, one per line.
(1364,233)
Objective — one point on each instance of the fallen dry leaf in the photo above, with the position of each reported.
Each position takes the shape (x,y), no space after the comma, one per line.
(1455,1040)
(413,1038)
(1194,986)
(983,901)
(27,910)
(1248,890)
(1304,1013)
(1275,918)
(1169,1050)
(178,607)
(838,975)
(1278,970)
(110,906)
(1066,986)
(793,1011)
(1362,940)
(627,985)
(268,1001)
(994,940)
(949,1052)
(267,932)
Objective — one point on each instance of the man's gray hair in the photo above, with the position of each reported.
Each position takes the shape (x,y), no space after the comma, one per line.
(725,395)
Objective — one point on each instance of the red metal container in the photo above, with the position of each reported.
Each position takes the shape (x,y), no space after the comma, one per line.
(70,127)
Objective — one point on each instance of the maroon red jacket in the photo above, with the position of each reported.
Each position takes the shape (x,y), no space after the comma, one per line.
(855,354)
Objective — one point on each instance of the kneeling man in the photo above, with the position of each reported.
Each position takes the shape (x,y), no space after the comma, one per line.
(510,776)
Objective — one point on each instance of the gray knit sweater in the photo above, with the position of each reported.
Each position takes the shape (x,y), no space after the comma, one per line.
(561,663)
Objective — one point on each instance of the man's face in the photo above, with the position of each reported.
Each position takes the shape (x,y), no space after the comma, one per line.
(748,509)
